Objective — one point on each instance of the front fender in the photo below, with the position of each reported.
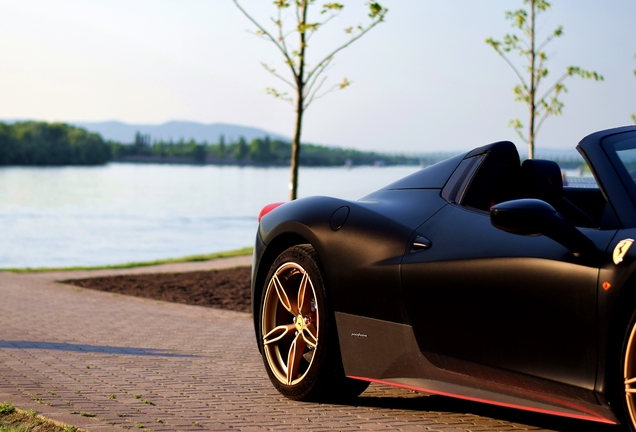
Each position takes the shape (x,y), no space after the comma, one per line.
(361,257)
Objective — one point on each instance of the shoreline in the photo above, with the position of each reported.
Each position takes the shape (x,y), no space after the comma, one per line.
(190,258)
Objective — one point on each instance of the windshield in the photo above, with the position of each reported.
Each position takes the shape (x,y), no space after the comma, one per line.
(621,150)
(626,152)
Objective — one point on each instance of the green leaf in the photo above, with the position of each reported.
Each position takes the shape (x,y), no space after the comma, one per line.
(345,83)
(376,11)
(305,27)
(282,4)
(541,5)
(331,6)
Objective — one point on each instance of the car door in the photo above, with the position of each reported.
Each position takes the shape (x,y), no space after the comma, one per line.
(481,296)
(482,300)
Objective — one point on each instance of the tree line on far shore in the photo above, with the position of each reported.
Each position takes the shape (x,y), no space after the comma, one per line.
(41,143)
(55,144)
(259,151)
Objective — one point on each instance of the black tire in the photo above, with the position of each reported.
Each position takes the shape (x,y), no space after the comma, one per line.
(297,328)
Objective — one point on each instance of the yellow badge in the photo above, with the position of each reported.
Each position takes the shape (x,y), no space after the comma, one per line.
(621,249)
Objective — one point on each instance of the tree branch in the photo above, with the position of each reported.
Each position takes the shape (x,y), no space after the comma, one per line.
(322,24)
(539,74)
(516,125)
(273,72)
(297,9)
(546,42)
(312,96)
(282,37)
(345,83)
(269,36)
(544,116)
(352,40)
(278,95)
(551,89)
(312,81)
(514,68)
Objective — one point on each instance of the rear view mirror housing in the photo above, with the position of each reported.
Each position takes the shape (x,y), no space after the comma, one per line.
(533,217)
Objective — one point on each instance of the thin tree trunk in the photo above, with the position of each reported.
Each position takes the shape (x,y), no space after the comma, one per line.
(300,106)
(533,89)
(295,157)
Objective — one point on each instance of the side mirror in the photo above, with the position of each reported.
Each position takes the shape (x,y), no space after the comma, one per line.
(533,217)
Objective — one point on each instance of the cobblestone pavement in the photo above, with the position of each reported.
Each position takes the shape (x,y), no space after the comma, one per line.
(106,362)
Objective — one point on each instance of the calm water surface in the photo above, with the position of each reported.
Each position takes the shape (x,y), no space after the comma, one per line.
(119,213)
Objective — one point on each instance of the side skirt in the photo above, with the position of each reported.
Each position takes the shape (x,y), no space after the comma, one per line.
(387,353)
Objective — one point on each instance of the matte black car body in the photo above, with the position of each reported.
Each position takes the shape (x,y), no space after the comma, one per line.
(429,295)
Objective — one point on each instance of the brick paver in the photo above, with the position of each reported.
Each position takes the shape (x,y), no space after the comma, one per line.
(131,363)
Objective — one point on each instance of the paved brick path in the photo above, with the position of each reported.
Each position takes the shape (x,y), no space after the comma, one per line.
(72,353)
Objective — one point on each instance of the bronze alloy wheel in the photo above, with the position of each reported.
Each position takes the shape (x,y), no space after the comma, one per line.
(298,335)
(629,376)
(290,323)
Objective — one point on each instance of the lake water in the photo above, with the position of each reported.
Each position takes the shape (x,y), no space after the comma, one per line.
(119,213)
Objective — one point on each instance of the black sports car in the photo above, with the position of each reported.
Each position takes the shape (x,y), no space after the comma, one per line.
(477,277)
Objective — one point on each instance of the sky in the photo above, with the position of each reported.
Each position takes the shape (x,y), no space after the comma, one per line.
(422,81)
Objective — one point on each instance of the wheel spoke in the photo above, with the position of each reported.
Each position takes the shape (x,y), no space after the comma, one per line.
(310,335)
(294,357)
(630,381)
(282,295)
(302,294)
(278,333)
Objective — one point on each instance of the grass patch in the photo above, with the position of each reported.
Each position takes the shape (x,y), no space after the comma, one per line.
(191,258)
(6,408)
(16,420)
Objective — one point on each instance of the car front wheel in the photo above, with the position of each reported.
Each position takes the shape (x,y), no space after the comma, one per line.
(298,336)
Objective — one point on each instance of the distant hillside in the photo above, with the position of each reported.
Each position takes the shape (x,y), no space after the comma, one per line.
(175,131)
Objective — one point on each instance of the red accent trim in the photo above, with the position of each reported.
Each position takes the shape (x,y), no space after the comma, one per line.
(503,404)
(268,208)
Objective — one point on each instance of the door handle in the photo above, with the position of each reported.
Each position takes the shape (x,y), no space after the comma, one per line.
(421,243)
